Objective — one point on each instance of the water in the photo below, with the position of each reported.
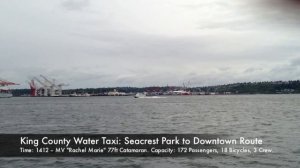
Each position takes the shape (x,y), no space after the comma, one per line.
(273,118)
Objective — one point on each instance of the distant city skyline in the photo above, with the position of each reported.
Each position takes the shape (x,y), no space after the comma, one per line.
(138,43)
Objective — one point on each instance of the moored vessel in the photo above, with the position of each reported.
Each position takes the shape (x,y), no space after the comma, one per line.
(80,95)
(5,92)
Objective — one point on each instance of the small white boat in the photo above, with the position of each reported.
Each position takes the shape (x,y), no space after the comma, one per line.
(140,95)
(144,95)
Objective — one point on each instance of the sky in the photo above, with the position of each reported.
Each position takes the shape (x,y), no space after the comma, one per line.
(97,43)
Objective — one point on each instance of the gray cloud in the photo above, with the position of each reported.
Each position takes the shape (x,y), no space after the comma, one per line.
(295,62)
(252,70)
(138,43)
(250,14)
(75,4)
(277,12)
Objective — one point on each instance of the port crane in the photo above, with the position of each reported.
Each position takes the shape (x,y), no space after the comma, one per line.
(33,88)
(51,86)
(47,88)
(55,88)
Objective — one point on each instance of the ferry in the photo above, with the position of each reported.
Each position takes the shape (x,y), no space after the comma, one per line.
(181,92)
(79,95)
(5,92)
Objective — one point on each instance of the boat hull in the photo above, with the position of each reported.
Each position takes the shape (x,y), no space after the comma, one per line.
(5,95)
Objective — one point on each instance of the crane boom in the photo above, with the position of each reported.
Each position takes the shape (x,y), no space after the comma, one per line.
(5,82)
(47,80)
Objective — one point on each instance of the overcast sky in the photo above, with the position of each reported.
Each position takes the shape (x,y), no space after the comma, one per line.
(97,43)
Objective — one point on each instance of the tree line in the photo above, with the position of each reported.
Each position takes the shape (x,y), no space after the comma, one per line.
(268,87)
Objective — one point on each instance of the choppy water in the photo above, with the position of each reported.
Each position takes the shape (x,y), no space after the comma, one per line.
(273,118)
